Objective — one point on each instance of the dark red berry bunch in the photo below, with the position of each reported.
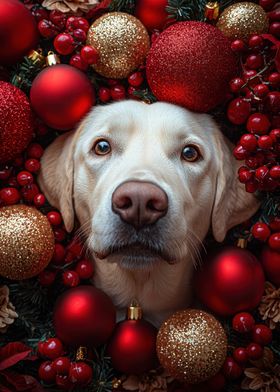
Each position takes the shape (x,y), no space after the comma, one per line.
(268,232)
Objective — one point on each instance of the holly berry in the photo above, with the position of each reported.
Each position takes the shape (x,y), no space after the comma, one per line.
(80,35)
(9,196)
(258,123)
(274,29)
(238,46)
(35,150)
(238,111)
(24,178)
(54,218)
(261,231)
(46,28)
(39,200)
(267,4)
(77,61)
(254,351)
(249,142)
(274,241)
(89,54)
(32,165)
(70,278)
(231,369)
(46,278)
(58,254)
(53,348)
(104,94)
(64,43)
(254,61)
(265,142)
(245,175)
(240,153)
(274,79)
(84,269)
(46,372)
(236,85)
(62,365)
(261,90)
(117,92)
(58,18)
(240,355)
(262,173)
(274,223)
(243,322)
(256,41)
(262,334)
(274,172)
(80,373)
(136,79)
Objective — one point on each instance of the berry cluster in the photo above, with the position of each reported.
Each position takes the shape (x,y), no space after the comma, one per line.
(58,369)
(268,232)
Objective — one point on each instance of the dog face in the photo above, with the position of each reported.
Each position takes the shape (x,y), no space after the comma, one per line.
(146,182)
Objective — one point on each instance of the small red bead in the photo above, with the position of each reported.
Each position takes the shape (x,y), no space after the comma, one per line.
(117,92)
(40,349)
(59,254)
(254,351)
(262,334)
(136,79)
(61,365)
(46,278)
(238,45)
(249,142)
(256,41)
(9,196)
(75,248)
(53,348)
(46,372)
(261,231)
(231,369)
(70,23)
(39,200)
(272,102)
(84,269)
(24,178)
(243,322)
(54,218)
(249,75)
(89,54)
(32,165)
(238,111)
(258,123)
(80,373)
(39,13)
(35,150)
(104,94)
(70,278)
(240,355)
(81,23)
(64,44)
(78,62)
(274,241)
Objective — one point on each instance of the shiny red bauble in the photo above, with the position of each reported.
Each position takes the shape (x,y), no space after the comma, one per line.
(270,260)
(84,316)
(176,72)
(16,121)
(132,347)
(18,31)
(152,13)
(231,281)
(61,95)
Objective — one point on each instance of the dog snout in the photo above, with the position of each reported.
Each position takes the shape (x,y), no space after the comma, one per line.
(139,203)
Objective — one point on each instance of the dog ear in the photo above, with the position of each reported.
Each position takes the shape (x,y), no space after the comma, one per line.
(232,204)
(56,175)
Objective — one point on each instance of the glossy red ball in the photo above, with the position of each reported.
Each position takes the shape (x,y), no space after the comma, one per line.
(249,142)
(64,43)
(230,281)
(254,351)
(104,94)
(262,334)
(58,254)
(77,62)
(274,241)
(9,196)
(243,322)
(84,316)
(132,347)
(240,355)
(117,92)
(54,218)
(258,123)
(24,178)
(53,348)
(89,54)
(70,278)
(35,150)
(84,269)
(80,373)
(61,95)
(135,79)
(272,102)
(18,31)
(39,200)
(261,231)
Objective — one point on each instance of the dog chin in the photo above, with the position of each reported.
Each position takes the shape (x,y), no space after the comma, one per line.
(135,262)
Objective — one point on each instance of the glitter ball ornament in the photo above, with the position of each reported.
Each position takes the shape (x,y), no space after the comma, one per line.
(18,31)
(191,64)
(242,20)
(122,42)
(191,346)
(16,122)
(61,95)
(26,242)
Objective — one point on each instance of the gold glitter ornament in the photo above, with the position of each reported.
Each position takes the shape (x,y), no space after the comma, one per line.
(191,346)
(122,42)
(242,20)
(26,242)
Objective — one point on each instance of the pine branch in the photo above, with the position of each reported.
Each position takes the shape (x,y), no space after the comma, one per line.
(122,5)
(24,73)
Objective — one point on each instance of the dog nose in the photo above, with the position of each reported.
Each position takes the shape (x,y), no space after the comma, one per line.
(139,203)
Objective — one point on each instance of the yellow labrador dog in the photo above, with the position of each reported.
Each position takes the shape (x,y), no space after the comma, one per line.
(146,183)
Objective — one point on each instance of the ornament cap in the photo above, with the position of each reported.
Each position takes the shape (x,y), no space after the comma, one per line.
(81,353)
(37,57)
(212,10)
(52,59)
(134,312)
(242,243)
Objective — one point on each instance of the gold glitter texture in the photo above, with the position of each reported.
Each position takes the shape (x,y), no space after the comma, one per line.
(26,242)
(122,42)
(241,20)
(191,346)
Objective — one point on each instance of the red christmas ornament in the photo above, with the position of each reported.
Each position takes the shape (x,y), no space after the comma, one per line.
(231,281)
(132,346)
(16,121)
(84,316)
(270,260)
(61,95)
(152,13)
(18,31)
(191,64)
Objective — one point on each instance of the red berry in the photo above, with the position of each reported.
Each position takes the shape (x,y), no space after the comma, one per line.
(272,102)
(236,85)
(275,135)
(64,43)
(261,90)
(70,23)
(256,41)
(240,153)
(243,322)
(39,13)
(104,94)
(262,173)
(262,334)
(39,200)
(53,348)
(251,186)
(75,248)
(252,162)
(274,79)
(258,123)
(61,365)
(274,241)
(117,92)
(81,23)
(59,234)
(254,61)
(274,15)
(136,79)
(54,218)
(231,369)
(63,382)
(89,54)
(40,349)
(274,223)
(46,28)
(274,29)
(254,351)
(249,142)
(80,35)
(267,4)
(9,196)
(245,176)
(77,61)
(24,178)
(249,75)
(58,18)
(265,142)
(29,192)
(46,278)
(35,150)
(32,165)
(238,111)
(59,254)
(5,173)
(84,269)
(70,278)
(240,355)
(80,373)
(238,45)
(46,372)
(261,231)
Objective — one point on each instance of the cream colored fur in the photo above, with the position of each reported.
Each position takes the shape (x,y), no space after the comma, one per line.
(146,142)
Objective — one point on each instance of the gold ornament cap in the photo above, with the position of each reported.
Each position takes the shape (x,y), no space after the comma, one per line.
(52,59)
(81,353)
(242,243)
(37,57)
(212,10)
(134,312)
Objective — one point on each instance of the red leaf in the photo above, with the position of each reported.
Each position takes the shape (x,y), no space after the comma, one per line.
(22,382)
(98,10)
(12,353)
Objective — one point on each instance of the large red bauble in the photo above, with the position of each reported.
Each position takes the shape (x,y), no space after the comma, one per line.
(16,121)
(84,316)
(61,95)
(191,64)
(270,260)
(152,13)
(18,31)
(230,281)
(132,347)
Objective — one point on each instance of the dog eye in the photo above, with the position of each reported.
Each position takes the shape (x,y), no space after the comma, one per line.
(190,153)
(102,147)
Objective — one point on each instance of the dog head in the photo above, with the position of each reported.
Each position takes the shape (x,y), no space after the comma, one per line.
(146,182)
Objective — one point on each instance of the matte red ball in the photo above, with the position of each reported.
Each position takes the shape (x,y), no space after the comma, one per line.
(16,121)
(84,316)
(191,64)
(61,95)
(132,347)
(18,31)
(231,281)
